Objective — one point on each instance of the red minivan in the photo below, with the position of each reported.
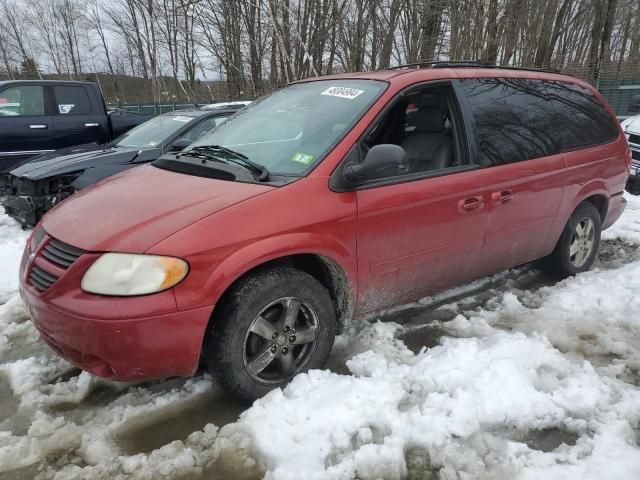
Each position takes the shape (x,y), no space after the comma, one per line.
(324,201)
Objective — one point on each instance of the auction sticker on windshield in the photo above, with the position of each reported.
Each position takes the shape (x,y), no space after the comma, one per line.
(342,92)
(182,119)
(303,158)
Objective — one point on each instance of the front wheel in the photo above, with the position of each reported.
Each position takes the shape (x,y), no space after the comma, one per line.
(577,248)
(269,327)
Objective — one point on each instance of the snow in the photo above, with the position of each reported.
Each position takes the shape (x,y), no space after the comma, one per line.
(528,379)
(628,227)
(221,105)
(12,240)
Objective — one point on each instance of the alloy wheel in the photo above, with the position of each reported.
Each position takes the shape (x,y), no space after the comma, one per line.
(280,340)
(582,242)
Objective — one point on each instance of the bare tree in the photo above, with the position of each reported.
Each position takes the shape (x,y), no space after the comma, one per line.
(252,46)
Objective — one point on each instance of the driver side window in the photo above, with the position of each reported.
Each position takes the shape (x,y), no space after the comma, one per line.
(425,123)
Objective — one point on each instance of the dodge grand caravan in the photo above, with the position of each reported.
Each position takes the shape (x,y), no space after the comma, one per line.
(326,200)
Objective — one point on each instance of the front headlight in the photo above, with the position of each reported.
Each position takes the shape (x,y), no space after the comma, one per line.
(124,274)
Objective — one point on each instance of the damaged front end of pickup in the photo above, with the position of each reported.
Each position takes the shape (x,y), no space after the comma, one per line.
(27,200)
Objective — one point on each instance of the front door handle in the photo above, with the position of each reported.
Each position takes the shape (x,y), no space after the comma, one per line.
(470,204)
(503,196)
(38,126)
(91,124)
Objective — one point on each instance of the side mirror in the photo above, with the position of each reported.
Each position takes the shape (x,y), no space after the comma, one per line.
(180,144)
(381,161)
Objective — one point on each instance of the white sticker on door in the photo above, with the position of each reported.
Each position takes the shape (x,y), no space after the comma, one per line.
(65,108)
(343,92)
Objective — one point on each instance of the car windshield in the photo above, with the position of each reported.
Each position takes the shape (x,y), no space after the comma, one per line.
(293,128)
(153,132)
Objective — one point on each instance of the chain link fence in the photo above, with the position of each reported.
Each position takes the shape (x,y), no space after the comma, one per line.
(155,109)
(618,83)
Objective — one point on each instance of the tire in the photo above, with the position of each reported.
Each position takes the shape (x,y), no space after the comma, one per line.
(272,325)
(574,254)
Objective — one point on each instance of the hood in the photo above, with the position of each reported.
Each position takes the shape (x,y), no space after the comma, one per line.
(632,125)
(136,209)
(72,161)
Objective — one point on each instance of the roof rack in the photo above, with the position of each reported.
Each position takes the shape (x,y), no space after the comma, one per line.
(469,64)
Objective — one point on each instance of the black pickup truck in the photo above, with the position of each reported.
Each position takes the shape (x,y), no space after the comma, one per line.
(42,116)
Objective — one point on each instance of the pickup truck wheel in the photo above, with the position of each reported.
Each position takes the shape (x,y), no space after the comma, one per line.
(577,248)
(273,325)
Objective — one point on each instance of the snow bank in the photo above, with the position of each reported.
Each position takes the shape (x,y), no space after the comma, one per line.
(12,241)
(628,226)
(465,406)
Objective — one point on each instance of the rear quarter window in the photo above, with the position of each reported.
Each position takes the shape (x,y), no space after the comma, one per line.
(523,119)
(72,100)
(581,120)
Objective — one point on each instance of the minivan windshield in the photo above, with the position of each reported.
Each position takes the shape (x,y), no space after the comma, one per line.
(153,132)
(293,128)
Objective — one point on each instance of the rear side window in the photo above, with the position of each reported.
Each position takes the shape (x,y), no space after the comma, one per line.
(72,101)
(522,119)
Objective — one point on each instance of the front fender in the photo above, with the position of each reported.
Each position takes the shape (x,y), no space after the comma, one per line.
(254,254)
(95,174)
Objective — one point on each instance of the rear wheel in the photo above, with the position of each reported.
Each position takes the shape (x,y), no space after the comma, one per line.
(577,248)
(272,325)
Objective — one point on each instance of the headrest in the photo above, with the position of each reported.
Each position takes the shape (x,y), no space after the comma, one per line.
(429,119)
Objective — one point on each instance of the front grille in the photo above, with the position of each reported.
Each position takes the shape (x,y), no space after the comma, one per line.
(40,279)
(635,154)
(59,255)
(634,138)
(38,235)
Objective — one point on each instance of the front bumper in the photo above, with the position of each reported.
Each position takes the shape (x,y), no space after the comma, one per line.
(124,350)
(633,183)
(121,338)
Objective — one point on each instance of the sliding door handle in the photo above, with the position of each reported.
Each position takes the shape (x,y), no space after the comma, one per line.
(503,196)
(91,124)
(470,204)
(38,126)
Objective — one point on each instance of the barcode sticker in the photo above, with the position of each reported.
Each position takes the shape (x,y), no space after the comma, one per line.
(343,92)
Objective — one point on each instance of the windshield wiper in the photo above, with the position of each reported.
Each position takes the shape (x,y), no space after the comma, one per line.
(238,158)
